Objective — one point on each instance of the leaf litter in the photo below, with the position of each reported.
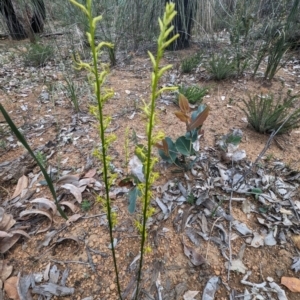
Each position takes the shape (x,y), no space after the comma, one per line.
(272,197)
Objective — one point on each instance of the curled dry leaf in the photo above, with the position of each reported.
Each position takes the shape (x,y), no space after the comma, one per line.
(4,234)
(44,203)
(69,204)
(6,220)
(39,212)
(75,191)
(21,185)
(10,287)
(68,179)
(7,243)
(68,238)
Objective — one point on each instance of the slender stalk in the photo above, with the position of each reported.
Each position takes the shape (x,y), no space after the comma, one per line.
(104,150)
(148,170)
(163,43)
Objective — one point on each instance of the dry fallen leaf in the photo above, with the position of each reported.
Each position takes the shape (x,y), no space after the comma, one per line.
(10,287)
(190,295)
(39,212)
(75,191)
(21,185)
(73,218)
(90,173)
(6,220)
(196,258)
(44,203)
(71,179)
(70,205)
(5,270)
(296,240)
(292,283)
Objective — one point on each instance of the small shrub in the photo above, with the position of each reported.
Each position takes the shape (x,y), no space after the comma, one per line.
(266,114)
(86,205)
(38,54)
(179,152)
(189,63)
(72,90)
(41,157)
(194,93)
(221,66)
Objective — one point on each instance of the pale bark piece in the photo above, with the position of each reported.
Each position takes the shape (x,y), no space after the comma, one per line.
(49,289)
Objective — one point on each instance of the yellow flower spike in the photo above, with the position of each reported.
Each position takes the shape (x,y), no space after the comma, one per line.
(148,249)
(104,44)
(80,6)
(171,40)
(152,59)
(167,33)
(96,20)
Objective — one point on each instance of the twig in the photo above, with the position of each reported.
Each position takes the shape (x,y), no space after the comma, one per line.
(230,227)
(54,33)
(210,235)
(94,216)
(90,259)
(69,262)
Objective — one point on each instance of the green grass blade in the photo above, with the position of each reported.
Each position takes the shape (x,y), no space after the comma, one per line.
(22,139)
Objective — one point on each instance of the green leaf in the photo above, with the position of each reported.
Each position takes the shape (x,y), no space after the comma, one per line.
(132,197)
(233,139)
(21,138)
(184,146)
(199,110)
(192,135)
(171,156)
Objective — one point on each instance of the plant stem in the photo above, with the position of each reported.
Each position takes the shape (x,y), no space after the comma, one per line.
(104,154)
(148,169)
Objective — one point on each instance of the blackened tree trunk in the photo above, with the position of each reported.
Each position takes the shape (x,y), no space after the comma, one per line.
(182,24)
(25,19)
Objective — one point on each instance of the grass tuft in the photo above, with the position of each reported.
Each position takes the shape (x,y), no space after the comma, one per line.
(194,93)
(267,114)
(221,66)
(38,55)
(189,63)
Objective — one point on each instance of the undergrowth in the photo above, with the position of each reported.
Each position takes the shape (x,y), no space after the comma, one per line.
(38,55)
(194,93)
(221,66)
(189,63)
(267,114)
